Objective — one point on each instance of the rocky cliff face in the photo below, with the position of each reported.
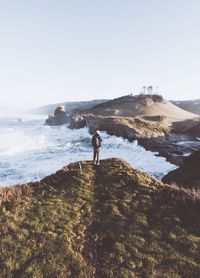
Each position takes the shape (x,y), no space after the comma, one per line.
(59,117)
(188,175)
(109,221)
(128,128)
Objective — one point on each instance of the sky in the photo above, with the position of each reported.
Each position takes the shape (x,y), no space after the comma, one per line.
(69,50)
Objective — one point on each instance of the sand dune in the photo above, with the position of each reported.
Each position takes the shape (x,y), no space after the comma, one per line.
(143,105)
(172,112)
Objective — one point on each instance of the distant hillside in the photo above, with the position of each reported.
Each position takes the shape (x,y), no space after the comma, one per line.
(110,221)
(69,106)
(189,105)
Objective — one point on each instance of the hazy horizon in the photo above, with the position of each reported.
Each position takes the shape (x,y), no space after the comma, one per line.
(53,52)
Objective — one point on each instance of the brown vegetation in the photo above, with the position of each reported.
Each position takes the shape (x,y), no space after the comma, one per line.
(108,221)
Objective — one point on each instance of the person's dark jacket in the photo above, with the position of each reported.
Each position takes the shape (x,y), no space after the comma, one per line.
(96,141)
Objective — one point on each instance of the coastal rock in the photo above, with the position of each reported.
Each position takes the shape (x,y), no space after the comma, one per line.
(77,121)
(151,134)
(59,117)
(127,128)
(173,146)
(195,131)
(188,175)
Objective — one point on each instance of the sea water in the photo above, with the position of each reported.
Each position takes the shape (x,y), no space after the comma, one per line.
(29,151)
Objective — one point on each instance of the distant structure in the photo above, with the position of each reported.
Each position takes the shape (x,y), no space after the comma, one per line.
(149,90)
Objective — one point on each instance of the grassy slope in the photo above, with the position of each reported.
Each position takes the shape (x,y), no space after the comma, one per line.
(112,221)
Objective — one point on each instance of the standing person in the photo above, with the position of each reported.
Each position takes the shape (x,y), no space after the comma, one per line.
(96,143)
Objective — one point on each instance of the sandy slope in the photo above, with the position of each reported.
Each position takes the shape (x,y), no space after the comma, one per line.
(172,112)
(142,105)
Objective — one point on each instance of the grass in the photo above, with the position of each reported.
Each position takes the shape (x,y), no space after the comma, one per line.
(110,221)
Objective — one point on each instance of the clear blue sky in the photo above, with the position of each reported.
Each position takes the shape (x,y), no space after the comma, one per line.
(59,50)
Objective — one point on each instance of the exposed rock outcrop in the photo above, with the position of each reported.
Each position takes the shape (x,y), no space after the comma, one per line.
(128,128)
(195,130)
(77,121)
(173,146)
(188,175)
(59,117)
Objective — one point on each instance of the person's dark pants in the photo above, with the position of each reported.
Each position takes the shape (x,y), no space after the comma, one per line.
(96,155)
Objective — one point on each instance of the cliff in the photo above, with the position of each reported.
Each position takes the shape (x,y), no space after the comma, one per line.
(110,221)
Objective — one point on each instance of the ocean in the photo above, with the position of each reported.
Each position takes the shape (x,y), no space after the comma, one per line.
(29,151)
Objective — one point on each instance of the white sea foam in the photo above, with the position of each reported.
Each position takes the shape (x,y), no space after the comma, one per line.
(30,151)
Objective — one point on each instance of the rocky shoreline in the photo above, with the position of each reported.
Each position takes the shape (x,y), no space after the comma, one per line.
(174,147)
(172,138)
(171,145)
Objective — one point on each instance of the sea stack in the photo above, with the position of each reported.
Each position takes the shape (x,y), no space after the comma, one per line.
(59,117)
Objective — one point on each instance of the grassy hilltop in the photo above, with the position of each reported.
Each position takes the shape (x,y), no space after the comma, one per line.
(112,221)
